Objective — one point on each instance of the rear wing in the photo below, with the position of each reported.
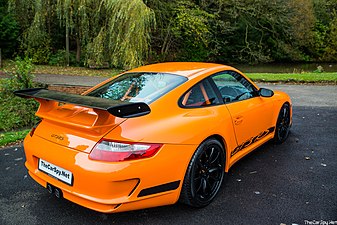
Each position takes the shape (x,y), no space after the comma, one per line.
(48,98)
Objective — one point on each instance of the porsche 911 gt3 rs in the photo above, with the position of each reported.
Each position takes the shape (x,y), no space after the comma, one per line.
(151,136)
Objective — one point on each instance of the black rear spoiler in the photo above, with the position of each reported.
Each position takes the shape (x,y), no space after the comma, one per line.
(117,108)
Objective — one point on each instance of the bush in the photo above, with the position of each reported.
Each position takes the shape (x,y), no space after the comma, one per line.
(36,45)
(60,59)
(22,76)
(16,112)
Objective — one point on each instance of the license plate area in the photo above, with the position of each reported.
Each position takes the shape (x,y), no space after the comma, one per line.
(56,172)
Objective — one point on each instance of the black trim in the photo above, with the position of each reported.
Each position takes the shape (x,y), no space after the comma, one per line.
(201,106)
(241,75)
(134,188)
(160,188)
(216,89)
(114,107)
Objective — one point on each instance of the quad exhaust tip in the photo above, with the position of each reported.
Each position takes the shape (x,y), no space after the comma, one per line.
(57,192)
(50,189)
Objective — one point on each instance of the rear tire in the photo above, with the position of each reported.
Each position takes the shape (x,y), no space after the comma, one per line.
(282,124)
(204,174)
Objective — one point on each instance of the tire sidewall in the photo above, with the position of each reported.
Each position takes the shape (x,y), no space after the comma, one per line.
(190,197)
(277,138)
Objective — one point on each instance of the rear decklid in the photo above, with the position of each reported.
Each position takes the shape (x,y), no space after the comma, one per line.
(79,121)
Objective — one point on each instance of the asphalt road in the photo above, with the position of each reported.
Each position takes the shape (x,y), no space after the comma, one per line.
(292,183)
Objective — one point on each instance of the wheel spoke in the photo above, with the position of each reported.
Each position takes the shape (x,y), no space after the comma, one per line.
(215,179)
(283,123)
(204,185)
(211,155)
(199,187)
(196,179)
(215,169)
(207,172)
(215,158)
(284,112)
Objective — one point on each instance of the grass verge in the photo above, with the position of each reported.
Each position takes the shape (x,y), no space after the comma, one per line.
(307,77)
(294,77)
(7,138)
(65,70)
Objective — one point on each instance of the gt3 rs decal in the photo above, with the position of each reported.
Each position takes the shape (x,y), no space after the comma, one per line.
(252,140)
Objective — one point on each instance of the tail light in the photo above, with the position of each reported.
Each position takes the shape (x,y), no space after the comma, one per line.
(112,151)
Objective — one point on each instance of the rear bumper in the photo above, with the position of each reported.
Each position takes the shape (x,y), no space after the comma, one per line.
(112,187)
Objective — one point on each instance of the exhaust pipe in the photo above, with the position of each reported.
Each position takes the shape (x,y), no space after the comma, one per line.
(57,192)
(50,188)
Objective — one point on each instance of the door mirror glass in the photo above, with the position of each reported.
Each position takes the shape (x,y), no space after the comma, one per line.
(264,92)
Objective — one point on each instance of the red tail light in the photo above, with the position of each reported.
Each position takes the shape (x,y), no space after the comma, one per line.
(112,151)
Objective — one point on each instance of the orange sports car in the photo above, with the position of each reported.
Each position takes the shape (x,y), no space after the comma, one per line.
(151,136)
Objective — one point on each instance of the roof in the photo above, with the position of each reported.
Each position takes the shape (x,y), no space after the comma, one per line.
(186,69)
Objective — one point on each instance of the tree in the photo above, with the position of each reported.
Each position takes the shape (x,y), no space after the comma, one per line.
(130,33)
(116,31)
(35,39)
(9,31)
(325,31)
(125,33)
(330,53)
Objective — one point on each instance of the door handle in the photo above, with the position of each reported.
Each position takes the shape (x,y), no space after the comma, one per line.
(238,120)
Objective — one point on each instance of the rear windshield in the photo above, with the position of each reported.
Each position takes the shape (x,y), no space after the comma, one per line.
(138,87)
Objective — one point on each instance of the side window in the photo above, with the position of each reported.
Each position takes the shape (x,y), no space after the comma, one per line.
(200,95)
(233,87)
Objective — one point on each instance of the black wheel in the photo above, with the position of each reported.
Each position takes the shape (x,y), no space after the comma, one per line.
(204,174)
(283,124)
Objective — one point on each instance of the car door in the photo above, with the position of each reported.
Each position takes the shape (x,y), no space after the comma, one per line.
(251,114)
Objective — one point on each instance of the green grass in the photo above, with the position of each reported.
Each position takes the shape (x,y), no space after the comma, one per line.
(12,136)
(307,77)
(294,77)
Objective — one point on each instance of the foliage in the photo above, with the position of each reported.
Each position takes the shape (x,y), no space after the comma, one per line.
(22,76)
(35,39)
(16,112)
(126,34)
(9,31)
(191,28)
(60,59)
(12,136)
(330,53)
(325,40)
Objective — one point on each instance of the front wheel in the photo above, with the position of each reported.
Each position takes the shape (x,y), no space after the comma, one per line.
(204,174)
(282,124)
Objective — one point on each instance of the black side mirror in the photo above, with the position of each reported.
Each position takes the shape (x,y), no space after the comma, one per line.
(264,92)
